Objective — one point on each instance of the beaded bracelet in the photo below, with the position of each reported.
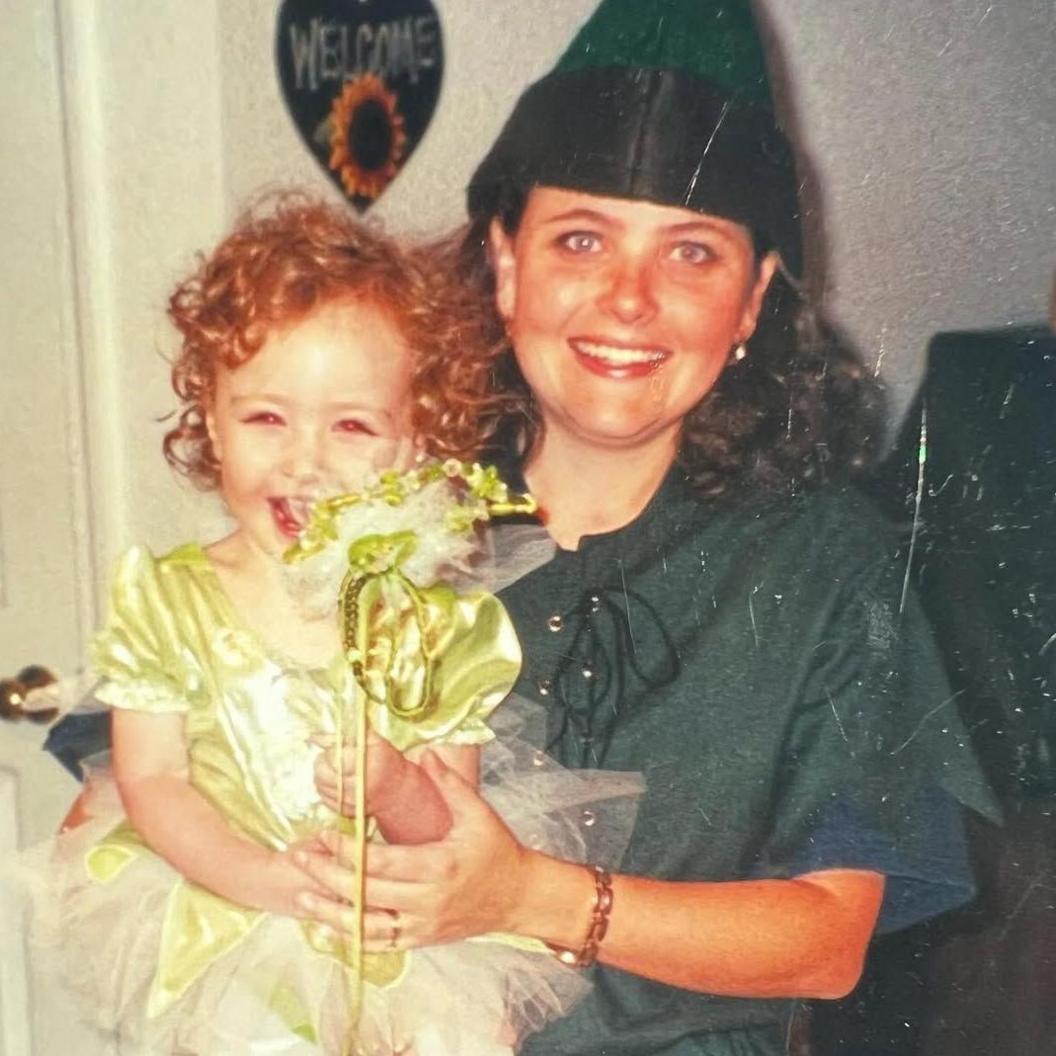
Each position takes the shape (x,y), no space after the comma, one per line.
(599,923)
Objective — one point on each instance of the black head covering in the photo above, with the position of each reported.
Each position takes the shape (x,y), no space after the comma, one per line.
(622,116)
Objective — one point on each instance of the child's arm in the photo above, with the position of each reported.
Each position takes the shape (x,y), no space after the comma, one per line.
(400,795)
(180,825)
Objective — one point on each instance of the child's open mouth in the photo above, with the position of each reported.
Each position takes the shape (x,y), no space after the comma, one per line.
(290,515)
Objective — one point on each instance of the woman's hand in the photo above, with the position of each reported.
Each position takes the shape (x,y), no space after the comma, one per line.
(801,937)
(466,884)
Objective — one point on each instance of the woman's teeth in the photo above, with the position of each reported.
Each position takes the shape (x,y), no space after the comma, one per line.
(618,356)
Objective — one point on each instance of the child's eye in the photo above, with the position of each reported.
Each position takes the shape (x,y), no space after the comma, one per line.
(355,425)
(580,242)
(692,253)
(263,418)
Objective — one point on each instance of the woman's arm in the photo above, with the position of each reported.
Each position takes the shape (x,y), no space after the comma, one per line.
(400,795)
(180,825)
(804,937)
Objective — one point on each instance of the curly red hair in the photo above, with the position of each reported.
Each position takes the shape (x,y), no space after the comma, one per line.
(291,255)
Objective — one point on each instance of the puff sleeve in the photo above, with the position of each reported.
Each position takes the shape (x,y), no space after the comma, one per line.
(138,651)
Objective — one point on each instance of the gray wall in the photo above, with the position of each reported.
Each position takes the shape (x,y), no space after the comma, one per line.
(932,125)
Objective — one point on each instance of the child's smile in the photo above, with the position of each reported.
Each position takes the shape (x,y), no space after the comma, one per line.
(318,408)
(291,515)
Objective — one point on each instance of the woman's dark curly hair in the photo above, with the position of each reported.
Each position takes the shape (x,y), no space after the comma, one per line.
(797,410)
(290,255)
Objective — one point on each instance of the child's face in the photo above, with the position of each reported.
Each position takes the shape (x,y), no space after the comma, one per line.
(320,406)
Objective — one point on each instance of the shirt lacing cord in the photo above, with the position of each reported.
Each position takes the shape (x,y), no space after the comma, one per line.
(589,684)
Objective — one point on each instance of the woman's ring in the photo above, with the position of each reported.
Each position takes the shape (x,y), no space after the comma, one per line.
(396,929)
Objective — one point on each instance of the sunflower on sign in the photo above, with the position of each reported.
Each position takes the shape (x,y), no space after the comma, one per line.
(367,136)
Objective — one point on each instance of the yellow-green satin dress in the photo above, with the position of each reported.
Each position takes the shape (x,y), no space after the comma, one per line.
(174,644)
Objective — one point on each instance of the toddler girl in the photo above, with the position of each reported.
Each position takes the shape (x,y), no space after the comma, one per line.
(312,350)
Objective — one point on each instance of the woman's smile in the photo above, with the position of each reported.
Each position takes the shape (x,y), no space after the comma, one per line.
(617,360)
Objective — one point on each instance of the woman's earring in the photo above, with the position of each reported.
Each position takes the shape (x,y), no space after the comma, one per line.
(740,352)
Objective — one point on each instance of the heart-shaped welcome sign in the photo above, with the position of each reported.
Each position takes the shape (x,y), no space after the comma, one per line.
(361,79)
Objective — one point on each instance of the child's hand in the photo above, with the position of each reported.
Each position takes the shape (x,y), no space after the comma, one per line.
(387,769)
(278,884)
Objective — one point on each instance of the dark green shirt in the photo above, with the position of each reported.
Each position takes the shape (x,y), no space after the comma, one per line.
(756,660)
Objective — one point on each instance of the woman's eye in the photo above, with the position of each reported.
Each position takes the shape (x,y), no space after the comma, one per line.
(263,418)
(692,253)
(354,425)
(580,242)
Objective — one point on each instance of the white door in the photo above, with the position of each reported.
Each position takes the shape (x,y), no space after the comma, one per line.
(109,107)
(47,593)
(46,578)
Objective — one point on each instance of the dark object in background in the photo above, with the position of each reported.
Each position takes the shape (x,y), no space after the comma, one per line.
(75,737)
(972,481)
(984,562)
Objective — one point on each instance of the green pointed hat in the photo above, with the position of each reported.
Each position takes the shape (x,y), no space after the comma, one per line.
(667,101)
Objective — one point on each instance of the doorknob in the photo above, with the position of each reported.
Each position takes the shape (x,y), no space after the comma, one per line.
(13,693)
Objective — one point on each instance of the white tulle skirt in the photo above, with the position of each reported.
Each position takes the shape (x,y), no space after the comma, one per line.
(274,993)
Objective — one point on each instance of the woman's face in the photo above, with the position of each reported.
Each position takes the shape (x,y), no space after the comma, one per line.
(623,313)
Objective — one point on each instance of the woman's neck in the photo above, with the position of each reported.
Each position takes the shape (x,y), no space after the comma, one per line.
(584,490)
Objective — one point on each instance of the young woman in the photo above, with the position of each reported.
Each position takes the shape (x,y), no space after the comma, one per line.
(720,612)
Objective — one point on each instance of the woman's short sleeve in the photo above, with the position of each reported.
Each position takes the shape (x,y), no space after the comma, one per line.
(877,759)
(138,651)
